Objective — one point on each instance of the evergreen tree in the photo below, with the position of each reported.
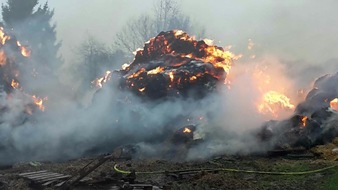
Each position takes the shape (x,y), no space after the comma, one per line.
(32,26)
(17,11)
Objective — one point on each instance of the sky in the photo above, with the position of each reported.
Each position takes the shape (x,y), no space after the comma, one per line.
(296,30)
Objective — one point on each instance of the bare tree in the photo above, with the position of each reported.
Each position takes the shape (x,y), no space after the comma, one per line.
(93,59)
(166,16)
(135,33)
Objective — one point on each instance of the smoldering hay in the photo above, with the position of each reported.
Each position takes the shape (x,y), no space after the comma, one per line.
(173,81)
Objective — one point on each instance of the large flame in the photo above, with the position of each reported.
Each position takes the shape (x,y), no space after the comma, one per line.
(273,102)
(178,63)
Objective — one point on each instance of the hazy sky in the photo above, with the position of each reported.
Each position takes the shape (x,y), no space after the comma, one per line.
(291,29)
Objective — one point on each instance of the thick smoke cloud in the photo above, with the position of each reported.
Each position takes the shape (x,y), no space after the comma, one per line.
(295,41)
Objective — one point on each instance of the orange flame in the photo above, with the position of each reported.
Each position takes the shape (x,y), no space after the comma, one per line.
(3,37)
(142,89)
(304,119)
(39,102)
(155,71)
(100,81)
(193,78)
(3,58)
(24,51)
(171,76)
(273,102)
(15,84)
(186,130)
(334,104)
(137,73)
(207,53)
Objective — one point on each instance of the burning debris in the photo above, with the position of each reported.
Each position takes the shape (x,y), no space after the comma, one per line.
(175,64)
(315,119)
(274,101)
(323,95)
(12,55)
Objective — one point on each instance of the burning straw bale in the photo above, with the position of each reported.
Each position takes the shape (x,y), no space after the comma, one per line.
(323,95)
(315,119)
(301,131)
(175,64)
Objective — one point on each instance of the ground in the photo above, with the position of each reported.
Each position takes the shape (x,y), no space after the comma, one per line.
(327,179)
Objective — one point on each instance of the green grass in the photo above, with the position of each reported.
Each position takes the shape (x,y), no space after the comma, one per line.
(331,183)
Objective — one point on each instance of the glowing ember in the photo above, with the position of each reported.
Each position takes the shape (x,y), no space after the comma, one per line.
(171,76)
(193,78)
(3,58)
(334,104)
(304,119)
(39,102)
(273,102)
(155,71)
(24,51)
(186,130)
(15,84)
(142,89)
(100,81)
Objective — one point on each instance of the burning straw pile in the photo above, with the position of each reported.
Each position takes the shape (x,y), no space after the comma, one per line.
(315,120)
(174,64)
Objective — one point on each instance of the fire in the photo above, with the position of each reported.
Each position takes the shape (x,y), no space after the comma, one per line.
(3,37)
(136,74)
(186,130)
(178,33)
(178,62)
(39,102)
(334,104)
(24,51)
(171,76)
(100,81)
(193,78)
(15,84)
(213,56)
(208,42)
(155,71)
(273,102)
(3,58)
(125,66)
(304,119)
(142,89)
